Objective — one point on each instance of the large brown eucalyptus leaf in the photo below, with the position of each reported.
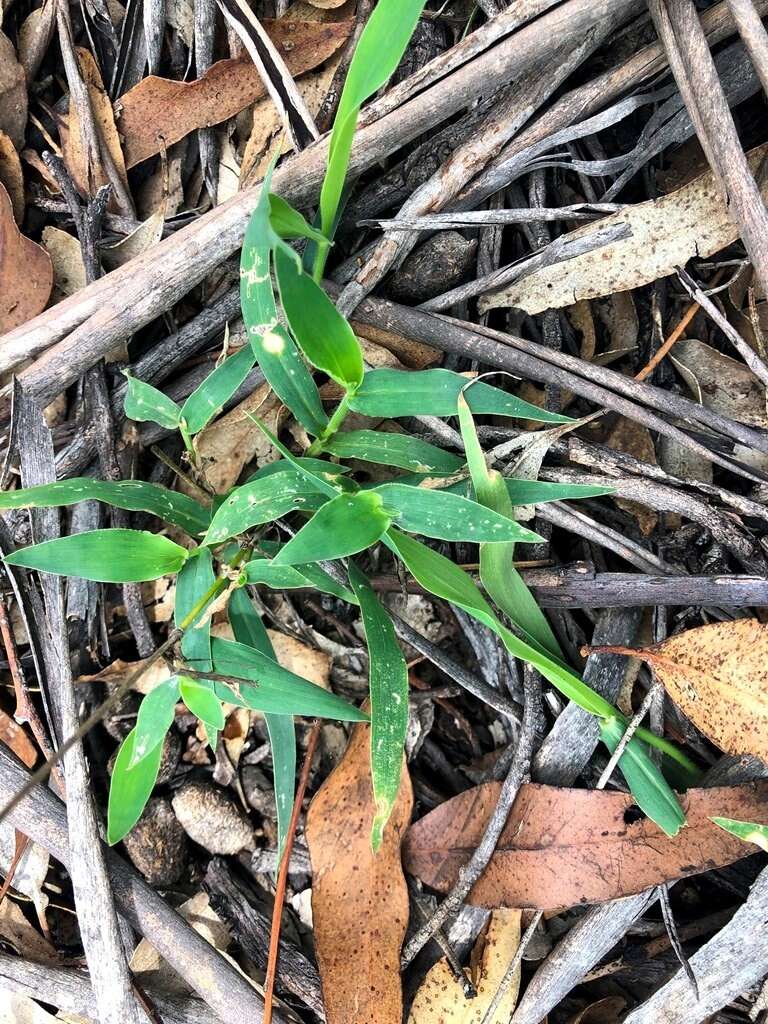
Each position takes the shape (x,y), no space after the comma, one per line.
(563,847)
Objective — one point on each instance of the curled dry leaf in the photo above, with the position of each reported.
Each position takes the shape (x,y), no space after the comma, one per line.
(13,93)
(11,176)
(143,237)
(35,36)
(26,272)
(665,233)
(564,847)
(158,111)
(440,999)
(359,899)
(87,178)
(718,675)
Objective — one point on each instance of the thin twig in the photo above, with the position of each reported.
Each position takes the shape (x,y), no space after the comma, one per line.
(629,732)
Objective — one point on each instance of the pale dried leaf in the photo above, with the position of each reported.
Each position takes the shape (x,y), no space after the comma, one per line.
(67,258)
(11,176)
(35,36)
(665,233)
(147,234)
(16,930)
(31,869)
(440,999)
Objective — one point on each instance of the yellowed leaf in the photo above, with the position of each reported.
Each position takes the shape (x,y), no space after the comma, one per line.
(665,233)
(440,999)
(718,675)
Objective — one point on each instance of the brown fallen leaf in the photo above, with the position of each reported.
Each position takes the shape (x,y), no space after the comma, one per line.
(86,177)
(26,273)
(665,233)
(359,899)
(158,111)
(11,175)
(440,1000)
(718,675)
(67,257)
(635,439)
(604,1011)
(13,93)
(564,847)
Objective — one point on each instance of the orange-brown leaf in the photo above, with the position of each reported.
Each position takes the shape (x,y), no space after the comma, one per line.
(359,899)
(158,112)
(563,847)
(26,273)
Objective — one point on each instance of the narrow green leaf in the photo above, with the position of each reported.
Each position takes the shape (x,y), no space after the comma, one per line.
(276,690)
(330,472)
(134,495)
(343,526)
(210,397)
(649,787)
(388,684)
(276,352)
(106,556)
(249,630)
(377,54)
(537,492)
(193,583)
(200,699)
(154,719)
(399,450)
(322,333)
(262,501)
(447,516)
(146,404)
(289,223)
(502,582)
(130,788)
(320,480)
(393,393)
(749,831)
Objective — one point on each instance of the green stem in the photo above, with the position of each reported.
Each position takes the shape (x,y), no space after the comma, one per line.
(219,584)
(321,256)
(338,417)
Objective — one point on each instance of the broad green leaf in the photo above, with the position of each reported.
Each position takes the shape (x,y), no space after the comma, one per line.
(388,684)
(377,54)
(193,583)
(749,831)
(273,688)
(399,450)
(130,788)
(134,495)
(649,787)
(343,526)
(278,357)
(154,719)
(106,556)
(321,480)
(249,630)
(262,501)
(146,404)
(201,700)
(289,223)
(331,472)
(393,393)
(322,333)
(447,516)
(295,577)
(210,397)
(502,582)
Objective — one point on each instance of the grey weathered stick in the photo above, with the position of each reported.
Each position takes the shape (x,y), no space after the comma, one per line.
(679,29)
(725,967)
(43,818)
(482,218)
(96,914)
(205,30)
(752,31)
(69,990)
